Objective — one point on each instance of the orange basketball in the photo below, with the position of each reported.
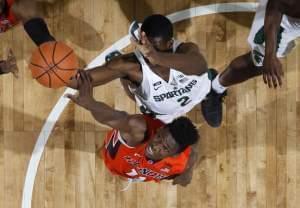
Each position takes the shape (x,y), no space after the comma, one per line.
(53,64)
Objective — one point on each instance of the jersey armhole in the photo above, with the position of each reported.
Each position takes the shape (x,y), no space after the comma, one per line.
(123,141)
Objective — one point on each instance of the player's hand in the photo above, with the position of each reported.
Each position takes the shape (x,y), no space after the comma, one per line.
(272,72)
(10,65)
(73,82)
(84,97)
(146,48)
(184,179)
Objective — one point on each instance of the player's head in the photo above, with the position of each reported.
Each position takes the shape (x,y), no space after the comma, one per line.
(159,31)
(172,139)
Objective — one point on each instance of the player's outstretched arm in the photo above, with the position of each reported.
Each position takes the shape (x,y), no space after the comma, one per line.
(119,67)
(185,178)
(132,127)
(28,12)
(187,58)
(272,70)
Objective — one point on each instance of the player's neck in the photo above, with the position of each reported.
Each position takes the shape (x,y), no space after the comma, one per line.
(151,160)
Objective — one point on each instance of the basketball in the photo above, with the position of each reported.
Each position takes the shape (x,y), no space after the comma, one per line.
(53,63)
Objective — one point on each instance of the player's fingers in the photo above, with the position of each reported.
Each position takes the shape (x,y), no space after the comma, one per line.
(87,87)
(281,72)
(71,97)
(10,53)
(75,76)
(16,73)
(274,80)
(269,82)
(79,80)
(279,80)
(84,77)
(134,42)
(265,78)
(145,38)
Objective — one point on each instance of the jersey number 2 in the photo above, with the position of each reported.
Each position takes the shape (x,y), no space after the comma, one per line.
(184,100)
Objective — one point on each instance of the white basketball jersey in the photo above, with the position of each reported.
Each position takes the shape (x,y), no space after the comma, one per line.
(288,32)
(169,100)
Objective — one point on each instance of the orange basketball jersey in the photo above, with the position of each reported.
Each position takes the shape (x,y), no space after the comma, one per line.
(131,163)
(7,17)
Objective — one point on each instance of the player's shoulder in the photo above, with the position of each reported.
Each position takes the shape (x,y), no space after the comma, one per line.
(138,122)
(186,47)
(137,128)
(129,57)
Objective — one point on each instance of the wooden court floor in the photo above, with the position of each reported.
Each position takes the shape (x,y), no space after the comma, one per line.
(252,160)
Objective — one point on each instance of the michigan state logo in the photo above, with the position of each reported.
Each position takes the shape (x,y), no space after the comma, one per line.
(258,56)
(259,39)
(260,36)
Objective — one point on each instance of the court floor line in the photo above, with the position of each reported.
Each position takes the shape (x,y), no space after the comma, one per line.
(99,60)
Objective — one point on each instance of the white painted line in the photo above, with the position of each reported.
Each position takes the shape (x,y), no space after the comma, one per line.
(99,60)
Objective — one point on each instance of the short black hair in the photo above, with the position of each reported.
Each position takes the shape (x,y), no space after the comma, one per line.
(184,132)
(158,26)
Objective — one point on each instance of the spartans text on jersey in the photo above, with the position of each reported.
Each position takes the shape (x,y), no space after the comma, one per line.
(175,93)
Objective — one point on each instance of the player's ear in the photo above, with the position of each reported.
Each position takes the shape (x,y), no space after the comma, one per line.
(170,43)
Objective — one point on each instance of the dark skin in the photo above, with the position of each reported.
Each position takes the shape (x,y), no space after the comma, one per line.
(24,10)
(131,127)
(242,68)
(187,59)
(9,65)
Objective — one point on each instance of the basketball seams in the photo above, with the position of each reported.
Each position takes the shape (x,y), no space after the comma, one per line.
(49,78)
(66,56)
(52,68)
(61,69)
(53,53)
(59,77)
(38,66)
(44,58)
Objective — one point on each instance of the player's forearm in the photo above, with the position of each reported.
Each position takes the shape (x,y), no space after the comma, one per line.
(191,64)
(1,67)
(273,19)
(104,113)
(102,75)
(99,76)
